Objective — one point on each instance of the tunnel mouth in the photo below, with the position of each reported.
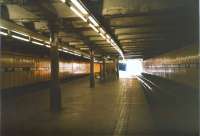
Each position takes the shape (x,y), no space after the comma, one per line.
(130,68)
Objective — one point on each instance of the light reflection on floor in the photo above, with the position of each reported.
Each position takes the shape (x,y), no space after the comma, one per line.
(133,68)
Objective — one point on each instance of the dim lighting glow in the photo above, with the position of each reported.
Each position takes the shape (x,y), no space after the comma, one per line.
(94,28)
(79,6)
(78,14)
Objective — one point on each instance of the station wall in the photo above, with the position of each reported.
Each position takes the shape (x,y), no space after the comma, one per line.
(19,69)
(181,66)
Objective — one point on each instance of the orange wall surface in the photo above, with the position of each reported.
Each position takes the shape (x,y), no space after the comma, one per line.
(19,70)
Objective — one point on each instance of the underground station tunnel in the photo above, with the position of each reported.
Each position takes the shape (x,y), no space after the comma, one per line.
(99,67)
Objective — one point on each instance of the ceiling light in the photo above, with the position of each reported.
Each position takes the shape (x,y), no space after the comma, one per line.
(86,57)
(102,31)
(3,33)
(20,33)
(102,36)
(84,48)
(60,49)
(108,40)
(3,27)
(38,43)
(112,41)
(47,42)
(78,14)
(48,46)
(108,36)
(79,6)
(94,28)
(63,1)
(37,39)
(93,21)
(20,38)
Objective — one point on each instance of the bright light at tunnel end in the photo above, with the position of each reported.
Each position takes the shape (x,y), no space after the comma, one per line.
(134,68)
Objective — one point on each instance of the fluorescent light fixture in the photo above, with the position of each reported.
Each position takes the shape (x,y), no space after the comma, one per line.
(64,48)
(112,44)
(93,21)
(20,33)
(3,33)
(3,27)
(108,36)
(108,40)
(20,38)
(77,54)
(94,28)
(37,43)
(63,1)
(84,48)
(71,52)
(47,42)
(79,6)
(102,36)
(102,31)
(48,46)
(60,49)
(37,39)
(112,41)
(66,51)
(78,14)
(86,57)
(115,47)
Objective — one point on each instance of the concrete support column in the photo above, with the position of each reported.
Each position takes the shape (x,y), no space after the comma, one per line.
(104,69)
(101,71)
(55,91)
(92,76)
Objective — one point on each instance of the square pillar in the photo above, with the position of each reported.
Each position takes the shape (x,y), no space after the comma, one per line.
(55,91)
(101,71)
(92,76)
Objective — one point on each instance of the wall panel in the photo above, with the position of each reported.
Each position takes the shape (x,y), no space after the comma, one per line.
(19,69)
(181,66)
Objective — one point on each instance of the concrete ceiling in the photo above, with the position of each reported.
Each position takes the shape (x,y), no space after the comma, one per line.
(143,28)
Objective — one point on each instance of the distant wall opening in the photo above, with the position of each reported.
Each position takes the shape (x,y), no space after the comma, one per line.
(130,68)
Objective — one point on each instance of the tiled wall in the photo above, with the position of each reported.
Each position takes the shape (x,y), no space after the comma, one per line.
(181,66)
(19,70)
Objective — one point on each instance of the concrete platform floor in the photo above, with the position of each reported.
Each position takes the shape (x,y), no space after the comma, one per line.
(115,108)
